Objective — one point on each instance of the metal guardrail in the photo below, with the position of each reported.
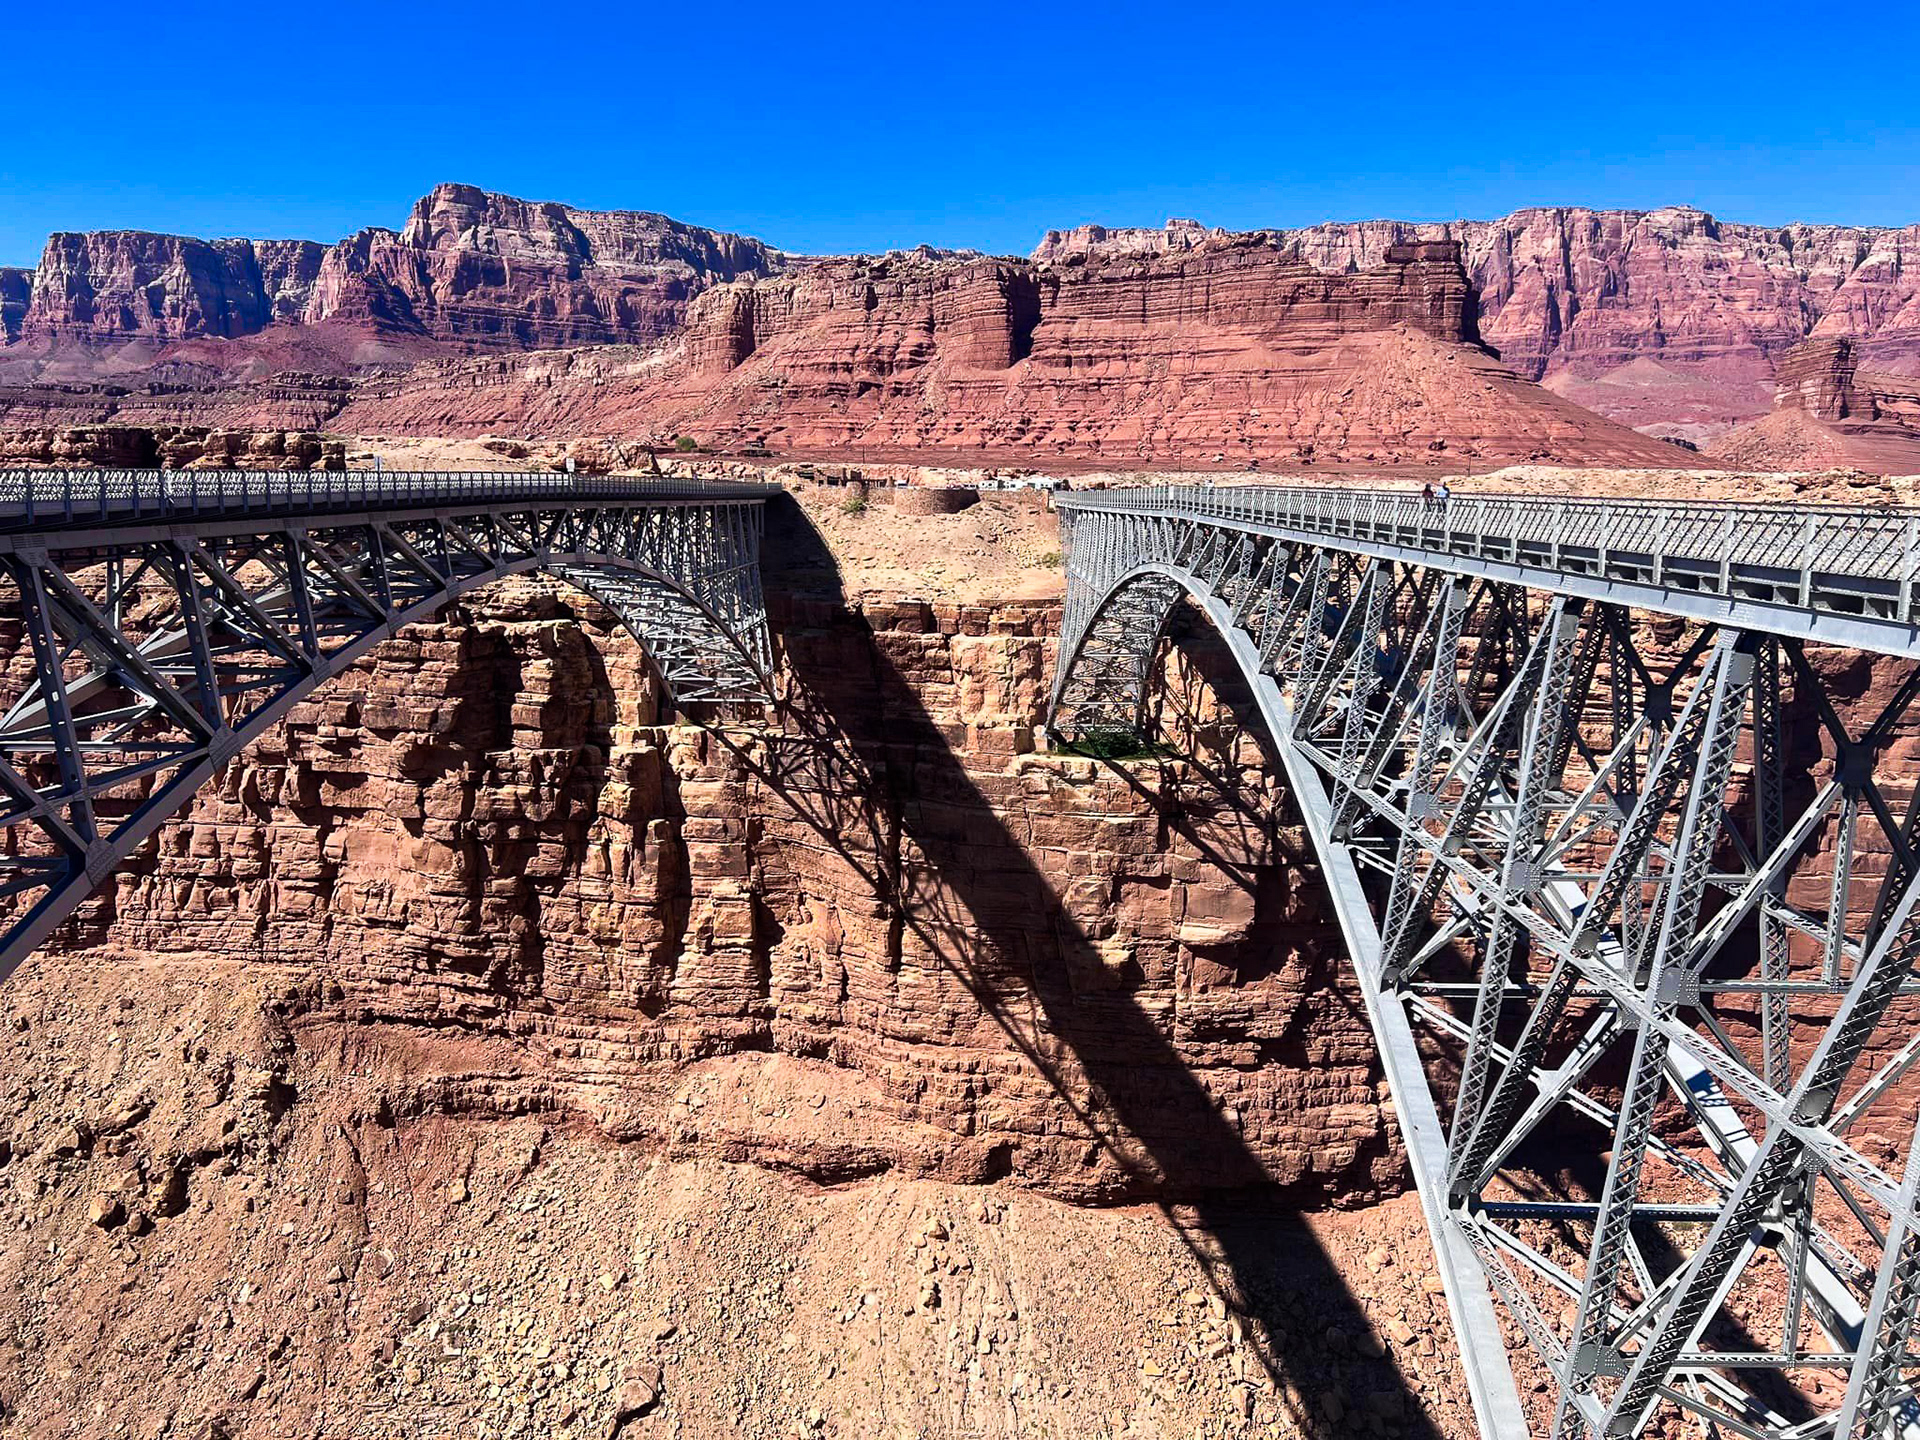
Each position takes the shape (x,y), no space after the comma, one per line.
(51,499)
(1854,560)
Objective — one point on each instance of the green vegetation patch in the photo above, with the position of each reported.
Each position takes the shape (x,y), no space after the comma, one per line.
(1111,742)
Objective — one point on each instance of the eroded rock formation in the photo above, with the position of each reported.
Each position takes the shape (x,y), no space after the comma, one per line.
(486,833)
(1828,411)
(16,291)
(469,266)
(1668,317)
(1824,378)
(119,284)
(1231,350)
(171,447)
(1106,343)
(491,269)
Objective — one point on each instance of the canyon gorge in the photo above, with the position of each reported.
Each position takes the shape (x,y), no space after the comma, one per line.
(486,1051)
(496,1050)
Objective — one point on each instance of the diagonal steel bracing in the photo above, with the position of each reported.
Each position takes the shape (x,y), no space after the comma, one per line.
(1621,843)
(172,618)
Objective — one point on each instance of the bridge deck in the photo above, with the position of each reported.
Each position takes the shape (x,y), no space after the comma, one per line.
(33,501)
(1840,574)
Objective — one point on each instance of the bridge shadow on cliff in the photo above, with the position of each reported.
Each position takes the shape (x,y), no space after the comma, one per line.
(859,758)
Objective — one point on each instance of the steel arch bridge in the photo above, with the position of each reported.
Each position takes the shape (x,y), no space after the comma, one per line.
(1615,805)
(164,620)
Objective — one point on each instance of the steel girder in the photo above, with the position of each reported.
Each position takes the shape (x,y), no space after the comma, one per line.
(1640,963)
(159,649)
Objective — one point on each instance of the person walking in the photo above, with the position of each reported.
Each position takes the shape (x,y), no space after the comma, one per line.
(1426,495)
(1443,495)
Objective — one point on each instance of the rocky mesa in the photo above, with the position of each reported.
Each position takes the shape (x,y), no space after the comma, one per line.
(1180,343)
(1667,318)
(468,266)
(1233,351)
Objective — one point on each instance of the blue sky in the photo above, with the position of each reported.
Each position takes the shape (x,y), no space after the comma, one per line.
(864,126)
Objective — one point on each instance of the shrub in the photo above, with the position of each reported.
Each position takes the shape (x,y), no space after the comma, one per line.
(1048,560)
(1110,742)
(854,505)
(685,443)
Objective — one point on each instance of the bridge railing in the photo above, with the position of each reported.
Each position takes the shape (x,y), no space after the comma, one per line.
(49,499)
(1849,559)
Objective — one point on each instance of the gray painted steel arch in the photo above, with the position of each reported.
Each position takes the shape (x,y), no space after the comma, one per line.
(1583,887)
(171,620)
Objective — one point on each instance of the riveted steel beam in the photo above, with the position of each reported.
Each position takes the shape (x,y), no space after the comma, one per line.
(1589,892)
(173,618)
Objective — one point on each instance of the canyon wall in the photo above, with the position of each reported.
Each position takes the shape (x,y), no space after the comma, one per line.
(1668,317)
(120,284)
(1825,379)
(170,447)
(1830,412)
(16,292)
(469,267)
(979,963)
(1106,344)
(488,269)
(406,1076)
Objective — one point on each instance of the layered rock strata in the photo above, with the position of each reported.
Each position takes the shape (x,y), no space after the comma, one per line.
(1824,378)
(469,266)
(1099,983)
(1665,316)
(1235,351)
(168,447)
(119,284)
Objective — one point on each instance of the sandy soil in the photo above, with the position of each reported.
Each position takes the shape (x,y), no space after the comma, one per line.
(228,1216)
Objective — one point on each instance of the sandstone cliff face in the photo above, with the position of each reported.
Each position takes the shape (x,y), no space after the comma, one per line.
(490,269)
(469,266)
(16,292)
(981,963)
(120,284)
(1667,320)
(1828,411)
(1824,378)
(1230,349)
(171,447)
(1662,317)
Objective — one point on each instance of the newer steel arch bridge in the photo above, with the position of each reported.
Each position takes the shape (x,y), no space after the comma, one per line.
(1615,804)
(160,621)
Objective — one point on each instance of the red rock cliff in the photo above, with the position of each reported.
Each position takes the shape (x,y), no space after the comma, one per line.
(469,266)
(1231,348)
(1824,378)
(491,269)
(1583,294)
(115,284)
(989,964)
(16,291)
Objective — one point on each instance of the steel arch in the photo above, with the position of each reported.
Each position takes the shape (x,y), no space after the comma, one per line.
(160,649)
(1614,846)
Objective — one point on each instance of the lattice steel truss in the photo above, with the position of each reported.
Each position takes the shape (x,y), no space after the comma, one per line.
(1632,898)
(164,621)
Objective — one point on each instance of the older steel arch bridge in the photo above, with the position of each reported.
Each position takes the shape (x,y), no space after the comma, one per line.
(170,618)
(1615,804)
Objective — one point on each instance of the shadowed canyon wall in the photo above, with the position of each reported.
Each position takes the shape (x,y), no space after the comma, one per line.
(992,964)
